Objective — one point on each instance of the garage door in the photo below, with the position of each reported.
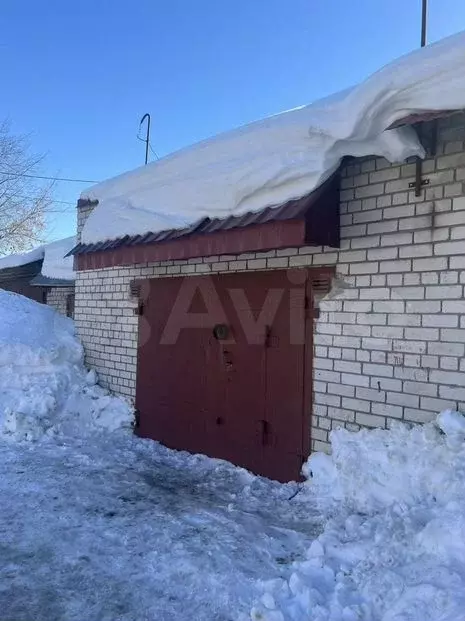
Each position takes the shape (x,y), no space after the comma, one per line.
(224,368)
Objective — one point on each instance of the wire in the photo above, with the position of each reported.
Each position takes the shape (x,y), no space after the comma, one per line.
(154,152)
(12,174)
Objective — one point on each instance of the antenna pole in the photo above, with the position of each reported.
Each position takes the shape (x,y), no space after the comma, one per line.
(424,20)
(147,136)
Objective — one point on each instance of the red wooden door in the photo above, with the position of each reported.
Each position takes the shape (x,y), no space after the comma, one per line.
(223,367)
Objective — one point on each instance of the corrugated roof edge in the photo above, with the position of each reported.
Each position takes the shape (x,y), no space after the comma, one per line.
(291,210)
(45,281)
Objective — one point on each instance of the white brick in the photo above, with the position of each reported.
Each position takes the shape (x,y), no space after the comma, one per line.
(340,414)
(418,416)
(453,335)
(277,262)
(457,262)
(448,377)
(403,399)
(378,369)
(389,306)
(375,294)
(440,321)
(452,392)
(436,405)
(327,399)
(346,341)
(358,306)
(354,380)
(370,394)
(448,248)
(404,265)
(411,347)
(326,376)
(443,292)
(356,404)
(369,241)
(382,344)
(455,306)
(370,420)
(347,366)
(449,364)
(386,409)
(364,268)
(429,265)
(342,389)
(422,334)
(388,226)
(388,332)
(421,388)
(417,250)
(458,203)
(356,330)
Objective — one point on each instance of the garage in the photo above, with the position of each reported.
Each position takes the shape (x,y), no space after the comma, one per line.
(225,365)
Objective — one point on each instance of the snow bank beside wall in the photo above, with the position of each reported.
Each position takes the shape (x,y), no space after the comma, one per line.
(394,545)
(45,388)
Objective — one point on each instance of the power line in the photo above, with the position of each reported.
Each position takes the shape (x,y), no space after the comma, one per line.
(12,174)
(33,198)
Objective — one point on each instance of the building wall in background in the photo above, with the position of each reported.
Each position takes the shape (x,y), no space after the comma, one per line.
(59,299)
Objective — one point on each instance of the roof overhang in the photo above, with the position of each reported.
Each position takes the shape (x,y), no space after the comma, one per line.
(27,270)
(309,221)
(423,117)
(45,281)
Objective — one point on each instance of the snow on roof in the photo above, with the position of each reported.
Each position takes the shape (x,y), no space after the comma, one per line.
(17,260)
(282,157)
(54,265)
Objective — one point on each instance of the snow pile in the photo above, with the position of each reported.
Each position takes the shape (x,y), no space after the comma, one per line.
(393,548)
(56,264)
(285,156)
(44,387)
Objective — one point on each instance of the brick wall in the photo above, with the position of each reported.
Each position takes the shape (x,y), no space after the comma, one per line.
(390,340)
(57,297)
(84,209)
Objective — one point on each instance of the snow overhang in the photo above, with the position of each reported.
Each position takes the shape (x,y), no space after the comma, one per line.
(309,221)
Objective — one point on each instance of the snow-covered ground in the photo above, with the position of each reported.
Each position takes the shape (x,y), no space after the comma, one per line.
(114,528)
(393,545)
(285,156)
(96,524)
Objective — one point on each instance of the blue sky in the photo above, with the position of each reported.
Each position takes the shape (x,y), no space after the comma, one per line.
(79,75)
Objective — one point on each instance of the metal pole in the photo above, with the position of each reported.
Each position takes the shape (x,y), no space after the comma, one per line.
(147,136)
(418,166)
(424,20)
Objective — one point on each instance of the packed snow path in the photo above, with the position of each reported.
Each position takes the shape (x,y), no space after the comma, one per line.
(115,528)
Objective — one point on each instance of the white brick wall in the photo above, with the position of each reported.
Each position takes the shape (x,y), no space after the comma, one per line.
(390,344)
(84,209)
(57,296)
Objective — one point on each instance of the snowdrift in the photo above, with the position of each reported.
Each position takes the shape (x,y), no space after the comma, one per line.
(393,548)
(283,157)
(44,386)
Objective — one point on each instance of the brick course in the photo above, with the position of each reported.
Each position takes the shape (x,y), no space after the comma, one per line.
(57,297)
(390,339)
